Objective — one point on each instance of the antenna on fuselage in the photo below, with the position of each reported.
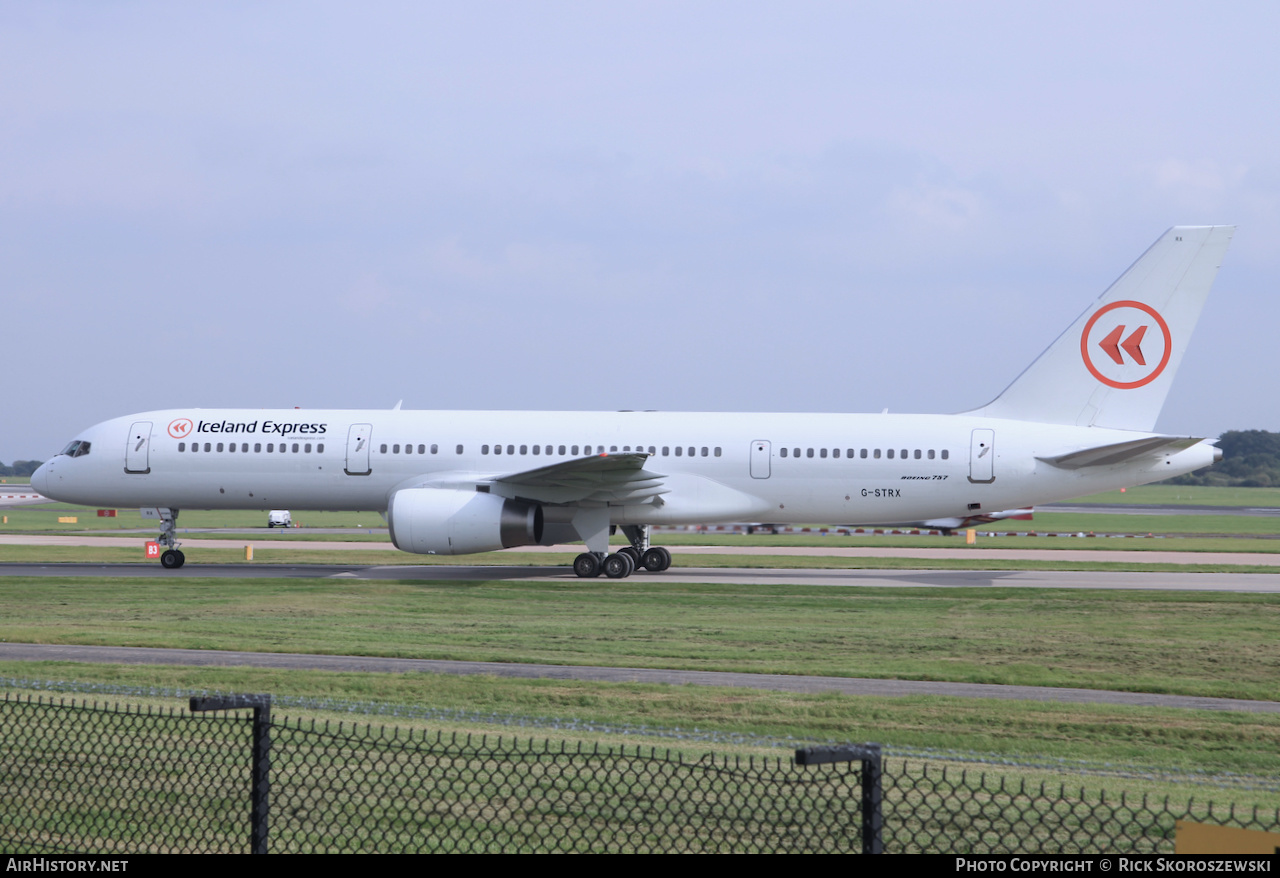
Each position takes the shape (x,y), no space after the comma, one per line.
(396,407)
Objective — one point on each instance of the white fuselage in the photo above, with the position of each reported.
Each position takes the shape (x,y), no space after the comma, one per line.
(786,468)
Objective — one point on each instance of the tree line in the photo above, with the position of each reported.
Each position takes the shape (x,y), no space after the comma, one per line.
(20,468)
(1250,459)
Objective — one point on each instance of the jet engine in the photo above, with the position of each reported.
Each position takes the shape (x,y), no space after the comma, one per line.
(444,521)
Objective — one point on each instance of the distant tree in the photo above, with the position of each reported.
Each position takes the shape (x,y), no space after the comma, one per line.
(1250,459)
(20,468)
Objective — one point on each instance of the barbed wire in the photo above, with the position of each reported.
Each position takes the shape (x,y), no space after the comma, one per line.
(1221,780)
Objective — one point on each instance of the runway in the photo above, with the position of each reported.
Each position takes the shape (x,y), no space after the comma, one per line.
(1253,583)
(772,682)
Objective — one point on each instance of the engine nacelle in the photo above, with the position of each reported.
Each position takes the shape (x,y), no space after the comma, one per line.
(443,521)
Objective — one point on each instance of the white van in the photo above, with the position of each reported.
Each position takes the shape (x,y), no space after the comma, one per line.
(279,518)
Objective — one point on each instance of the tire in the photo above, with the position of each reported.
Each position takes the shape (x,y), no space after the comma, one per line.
(171,559)
(182,559)
(656,560)
(586,566)
(633,553)
(618,566)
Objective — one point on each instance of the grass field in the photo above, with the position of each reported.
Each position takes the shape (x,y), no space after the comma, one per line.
(1191,643)
(1161,642)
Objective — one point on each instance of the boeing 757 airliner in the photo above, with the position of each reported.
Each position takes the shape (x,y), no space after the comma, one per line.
(1078,420)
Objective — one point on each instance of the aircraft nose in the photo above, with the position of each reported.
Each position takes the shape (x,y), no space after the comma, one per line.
(40,479)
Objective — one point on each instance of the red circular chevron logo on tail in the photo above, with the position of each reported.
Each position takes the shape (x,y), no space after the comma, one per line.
(1126,344)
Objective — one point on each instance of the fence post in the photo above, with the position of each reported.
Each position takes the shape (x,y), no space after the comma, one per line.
(872,790)
(260,788)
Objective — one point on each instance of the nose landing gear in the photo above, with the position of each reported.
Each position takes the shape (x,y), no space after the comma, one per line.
(172,557)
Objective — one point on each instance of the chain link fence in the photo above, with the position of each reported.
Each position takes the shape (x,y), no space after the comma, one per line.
(89,778)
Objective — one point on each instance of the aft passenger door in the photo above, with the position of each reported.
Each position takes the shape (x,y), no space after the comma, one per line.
(760,463)
(137,455)
(982,452)
(358,440)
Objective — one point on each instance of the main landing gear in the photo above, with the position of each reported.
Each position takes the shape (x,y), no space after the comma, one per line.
(171,558)
(626,560)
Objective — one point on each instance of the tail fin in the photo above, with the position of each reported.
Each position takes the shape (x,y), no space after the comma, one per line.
(1113,367)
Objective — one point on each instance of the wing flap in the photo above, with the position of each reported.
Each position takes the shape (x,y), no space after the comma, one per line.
(606,478)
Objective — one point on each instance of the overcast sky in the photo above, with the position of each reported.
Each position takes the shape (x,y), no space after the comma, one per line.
(686,206)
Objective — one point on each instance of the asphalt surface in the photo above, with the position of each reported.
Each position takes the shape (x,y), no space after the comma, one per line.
(774,682)
(1254,583)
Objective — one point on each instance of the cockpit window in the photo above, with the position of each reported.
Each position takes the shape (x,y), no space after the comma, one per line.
(78,448)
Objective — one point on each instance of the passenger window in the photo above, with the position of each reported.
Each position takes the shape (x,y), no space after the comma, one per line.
(257,448)
(306,449)
(717,451)
(666,450)
(795,452)
(422,449)
(182,446)
(823,453)
(562,451)
(511,449)
(652,450)
(219,446)
(435,449)
(408,449)
(231,447)
(876,454)
(320,448)
(612,449)
(574,451)
(295,448)
(705,451)
(891,454)
(537,449)
(808,452)
(917,454)
(679,451)
(835,452)
(524,449)
(484,449)
(945,454)
(784,452)
(382,450)
(691,450)
(931,454)
(395,449)
(283,449)
(863,454)
(459,451)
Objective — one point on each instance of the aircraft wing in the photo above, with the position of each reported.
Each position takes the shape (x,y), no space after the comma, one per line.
(610,478)
(1119,452)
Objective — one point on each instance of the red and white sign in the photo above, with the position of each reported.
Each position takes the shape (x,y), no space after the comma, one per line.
(153,549)
(180,428)
(1126,345)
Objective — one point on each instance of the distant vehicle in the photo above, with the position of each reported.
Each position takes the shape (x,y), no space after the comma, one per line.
(279,518)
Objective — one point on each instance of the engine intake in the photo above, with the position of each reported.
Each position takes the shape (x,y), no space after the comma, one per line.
(444,521)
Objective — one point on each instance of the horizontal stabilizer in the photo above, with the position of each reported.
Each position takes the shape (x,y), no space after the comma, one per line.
(1119,452)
